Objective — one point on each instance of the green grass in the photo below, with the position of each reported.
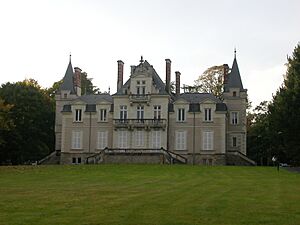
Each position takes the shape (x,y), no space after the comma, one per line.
(148,194)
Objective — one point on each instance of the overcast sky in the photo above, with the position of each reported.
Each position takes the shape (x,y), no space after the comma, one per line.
(38,36)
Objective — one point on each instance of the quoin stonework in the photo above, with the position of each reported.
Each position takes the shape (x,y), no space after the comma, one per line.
(145,122)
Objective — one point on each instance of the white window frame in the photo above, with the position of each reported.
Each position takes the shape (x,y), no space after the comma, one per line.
(139,138)
(234,118)
(157,112)
(208,115)
(122,139)
(140,112)
(78,115)
(77,139)
(102,139)
(181,115)
(140,87)
(103,115)
(208,140)
(123,112)
(180,140)
(156,139)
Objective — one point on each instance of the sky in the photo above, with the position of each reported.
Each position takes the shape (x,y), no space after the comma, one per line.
(37,38)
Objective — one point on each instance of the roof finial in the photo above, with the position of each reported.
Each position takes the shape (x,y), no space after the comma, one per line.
(70,56)
(142,60)
(235,52)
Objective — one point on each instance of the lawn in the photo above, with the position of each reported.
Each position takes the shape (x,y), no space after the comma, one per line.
(148,194)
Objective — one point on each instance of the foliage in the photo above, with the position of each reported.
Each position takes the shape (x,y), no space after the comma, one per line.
(87,86)
(211,81)
(275,128)
(148,194)
(32,114)
(284,111)
(5,122)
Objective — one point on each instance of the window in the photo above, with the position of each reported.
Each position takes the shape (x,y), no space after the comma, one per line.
(208,138)
(123,112)
(102,139)
(156,140)
(139,138)
(103,115)
(65,95)
(78,115)
(234,142)
(234,94)
(77,140)
(122,139)
(180,140)
(76,160)
(181,115)
(140,112)
(157,112)
(234,118)
(141,87)
(207,114)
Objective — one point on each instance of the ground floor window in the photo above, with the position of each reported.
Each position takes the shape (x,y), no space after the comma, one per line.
(76,160)
(208,140)
(156,139)
(122,139)
(102,139)
(180,140)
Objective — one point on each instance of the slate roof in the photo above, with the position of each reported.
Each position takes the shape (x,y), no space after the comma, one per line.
(234,78)
(93,99)
(67,83)
(158,83)
(197,97)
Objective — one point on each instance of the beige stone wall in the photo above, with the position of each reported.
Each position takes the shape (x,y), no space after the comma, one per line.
(89,126)
(217,125)
(238,104)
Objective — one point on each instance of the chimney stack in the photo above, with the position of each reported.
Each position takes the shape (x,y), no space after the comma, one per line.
(120,74)
(177,82)
(225,73)
(77,80)
(168,75)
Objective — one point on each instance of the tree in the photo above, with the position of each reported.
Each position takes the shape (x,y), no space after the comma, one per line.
(87,86)
(32,113)
(284,112)
(211,81)
(5,122)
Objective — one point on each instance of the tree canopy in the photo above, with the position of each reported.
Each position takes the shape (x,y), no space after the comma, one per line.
(211,81)
(31,111)
(275,129)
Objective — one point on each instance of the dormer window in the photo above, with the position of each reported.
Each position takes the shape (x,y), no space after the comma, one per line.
(78,115)
(103,115)
(65,95)
(141,87)
(207,115)
(234,94)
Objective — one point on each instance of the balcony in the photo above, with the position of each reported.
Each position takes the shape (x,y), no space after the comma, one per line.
(140,123)
(139,98)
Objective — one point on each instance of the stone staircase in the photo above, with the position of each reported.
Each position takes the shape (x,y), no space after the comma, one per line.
(146,156)
(51,159)
(237,158)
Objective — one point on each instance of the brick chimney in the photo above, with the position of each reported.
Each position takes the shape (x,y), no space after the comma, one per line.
(225,73)
(168,75)
(77,80)
(120,74)
(177,73)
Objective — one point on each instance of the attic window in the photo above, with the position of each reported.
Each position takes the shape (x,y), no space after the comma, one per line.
(234,94)
(65,95)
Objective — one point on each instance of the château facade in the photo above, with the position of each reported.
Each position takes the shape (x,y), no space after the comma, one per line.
(144,122)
